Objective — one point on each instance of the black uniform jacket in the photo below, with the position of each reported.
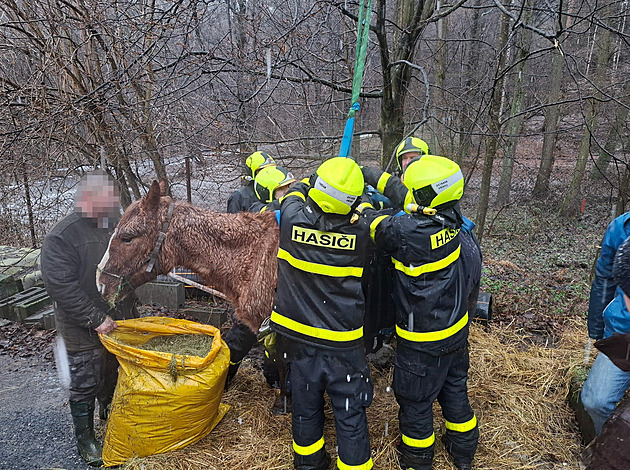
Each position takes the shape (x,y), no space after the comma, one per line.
(70,253)
(241,199)
(429,288)
(321,258)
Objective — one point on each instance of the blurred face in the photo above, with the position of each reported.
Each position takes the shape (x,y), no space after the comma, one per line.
(407,157)
(99,199)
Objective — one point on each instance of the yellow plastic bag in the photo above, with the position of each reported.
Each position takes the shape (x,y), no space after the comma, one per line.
(161,402)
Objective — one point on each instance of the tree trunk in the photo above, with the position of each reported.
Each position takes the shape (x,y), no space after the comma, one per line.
(615,135)
(438,142)
(493,127)
(409,18)
(624,191)
(516,122)
(570,202)
(466,123)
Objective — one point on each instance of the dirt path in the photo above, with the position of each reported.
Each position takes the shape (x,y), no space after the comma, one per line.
(35,425)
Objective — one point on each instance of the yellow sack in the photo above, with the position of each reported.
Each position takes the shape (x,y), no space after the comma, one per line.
(162,401)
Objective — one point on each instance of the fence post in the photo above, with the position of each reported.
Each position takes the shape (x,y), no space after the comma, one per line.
(188,194)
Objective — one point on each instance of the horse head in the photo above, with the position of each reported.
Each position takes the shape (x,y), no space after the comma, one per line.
(132,256)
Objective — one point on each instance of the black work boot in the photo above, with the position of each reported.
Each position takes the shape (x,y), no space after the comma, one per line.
(317,461)
(87,445)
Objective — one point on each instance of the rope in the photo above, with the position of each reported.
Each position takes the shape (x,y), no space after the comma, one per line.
(363,35)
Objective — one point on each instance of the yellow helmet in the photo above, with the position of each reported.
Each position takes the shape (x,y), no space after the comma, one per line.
(338,185)
(269,179)
(411,144)
(259,160)
(433,181)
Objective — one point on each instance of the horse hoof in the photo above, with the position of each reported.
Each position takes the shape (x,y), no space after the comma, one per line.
(282,406)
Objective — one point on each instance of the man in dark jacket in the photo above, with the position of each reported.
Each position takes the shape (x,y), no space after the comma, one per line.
(432,317)
(318,314)
(69,256)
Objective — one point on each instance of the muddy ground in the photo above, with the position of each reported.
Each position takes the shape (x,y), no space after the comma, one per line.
(35,425)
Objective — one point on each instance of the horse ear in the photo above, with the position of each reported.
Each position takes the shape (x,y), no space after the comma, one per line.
(152,200)
(163,187)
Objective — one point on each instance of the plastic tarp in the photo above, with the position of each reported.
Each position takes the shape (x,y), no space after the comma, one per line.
(162,401)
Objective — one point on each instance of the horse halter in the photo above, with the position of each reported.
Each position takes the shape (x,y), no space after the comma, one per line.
(152,260)
(155,253)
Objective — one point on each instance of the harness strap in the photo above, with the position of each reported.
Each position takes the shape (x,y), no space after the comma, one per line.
(363,33)
(153,256)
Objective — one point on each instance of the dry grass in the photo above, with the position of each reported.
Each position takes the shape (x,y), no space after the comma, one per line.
(518,392)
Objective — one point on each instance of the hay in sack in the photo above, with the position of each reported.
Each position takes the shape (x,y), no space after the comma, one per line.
(518,391)
(163,400)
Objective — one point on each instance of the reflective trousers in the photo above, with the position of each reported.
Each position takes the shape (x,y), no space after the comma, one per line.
(420,379)
(345,376)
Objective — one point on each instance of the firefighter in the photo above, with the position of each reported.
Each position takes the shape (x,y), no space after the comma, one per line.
(410,149)
(431,310)
(318,314)
(270,182)
(241,199)
(407,151)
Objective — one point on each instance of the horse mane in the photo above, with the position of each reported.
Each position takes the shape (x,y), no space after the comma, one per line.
(235,253)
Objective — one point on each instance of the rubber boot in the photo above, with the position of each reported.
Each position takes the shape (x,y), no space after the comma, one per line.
(89,448)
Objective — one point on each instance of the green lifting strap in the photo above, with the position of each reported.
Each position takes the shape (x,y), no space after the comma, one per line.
(363,35)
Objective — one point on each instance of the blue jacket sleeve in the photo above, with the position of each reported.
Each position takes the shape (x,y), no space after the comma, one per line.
(604,286)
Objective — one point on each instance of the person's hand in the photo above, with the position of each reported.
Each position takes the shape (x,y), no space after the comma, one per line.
(107,326)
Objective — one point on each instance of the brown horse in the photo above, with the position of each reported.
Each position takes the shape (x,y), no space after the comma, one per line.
(235,253)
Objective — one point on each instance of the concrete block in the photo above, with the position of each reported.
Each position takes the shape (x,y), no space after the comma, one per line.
(209,316)
(8,286)
(171,295)
(584,422)
(23,304)
(48,320)
(30,305)
(43,319)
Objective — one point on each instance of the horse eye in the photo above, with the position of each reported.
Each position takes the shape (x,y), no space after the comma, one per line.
(126,238)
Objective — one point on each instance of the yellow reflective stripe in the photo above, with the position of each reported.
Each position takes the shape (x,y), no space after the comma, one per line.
(462,427)
(432,335)
(263,209)
(293,193)
(428,267)
(374,224)
(316,268)
(314,332)
(364,466)
(308,450)
(382,181)
(411,442)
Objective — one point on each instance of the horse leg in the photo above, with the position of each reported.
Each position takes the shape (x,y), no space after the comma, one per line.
(282,404)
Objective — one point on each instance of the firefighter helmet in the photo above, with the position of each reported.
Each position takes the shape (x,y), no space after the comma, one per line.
(257,161)
(433,181)
(411,144)
(338,185)
(269,179)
